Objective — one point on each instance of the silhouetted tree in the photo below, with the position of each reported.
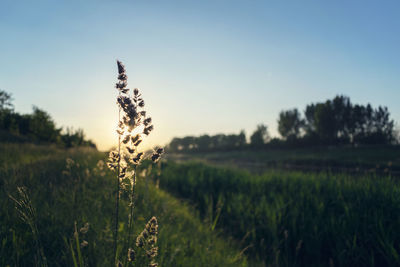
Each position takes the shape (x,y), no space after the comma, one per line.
(42,127)
(207,142)
(5,101)
(338,121)
(383,126)
(175,145)
(242,138)
(73,138)
(38,126)
(342,109)
(324,119)
(290,123)
(260,135)
(372,126)
(309,124)
(6,111)
(188,143)
(203,142)
(217,141)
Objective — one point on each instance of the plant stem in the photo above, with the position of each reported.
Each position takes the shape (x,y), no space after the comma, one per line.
(117,193)
(130,225)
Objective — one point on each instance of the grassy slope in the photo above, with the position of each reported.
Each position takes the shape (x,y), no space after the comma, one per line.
(84,193)
(297,219)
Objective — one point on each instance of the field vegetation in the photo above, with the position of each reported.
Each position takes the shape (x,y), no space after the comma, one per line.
(296,219)
(379,159)
(74,186)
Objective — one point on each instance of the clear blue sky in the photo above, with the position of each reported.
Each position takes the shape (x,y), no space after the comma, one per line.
(203,66)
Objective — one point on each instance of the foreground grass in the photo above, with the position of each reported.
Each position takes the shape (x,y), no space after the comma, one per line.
(82,191)
(296,219)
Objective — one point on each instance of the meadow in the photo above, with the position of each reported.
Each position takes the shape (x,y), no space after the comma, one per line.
(361,160)
(286,218)
(69,188)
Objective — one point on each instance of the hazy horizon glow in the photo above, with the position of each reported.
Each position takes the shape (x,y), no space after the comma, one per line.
(202,66)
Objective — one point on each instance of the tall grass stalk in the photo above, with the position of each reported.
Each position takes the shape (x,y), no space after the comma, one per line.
(118,189)
(133,126)
(27,213)
(130,224)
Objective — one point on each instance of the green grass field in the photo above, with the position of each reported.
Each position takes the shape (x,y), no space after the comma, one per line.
(354,160)
(208,216)
(82,191)
(296,219)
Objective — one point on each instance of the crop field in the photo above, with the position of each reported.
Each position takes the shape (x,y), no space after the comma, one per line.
(296,219)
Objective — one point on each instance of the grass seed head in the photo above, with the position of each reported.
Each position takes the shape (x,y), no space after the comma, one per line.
(133,126)
(84,243)
(131,254)
(85,228)
(157,154)
(121,67)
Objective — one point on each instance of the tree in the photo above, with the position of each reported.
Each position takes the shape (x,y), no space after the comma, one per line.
(290,123)
(260,135)
(342,109)
(324,120)
(242,138)
(329,121)
(309,123)
(38,126)
(7,120)
(5,101)
(339,121)
(203,142)
(73,138)
(188,143)
(175,145)
(375,126)
(42,127)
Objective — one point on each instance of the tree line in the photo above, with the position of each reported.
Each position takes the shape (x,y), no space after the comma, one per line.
(207,142)
(336,121)
(35,127)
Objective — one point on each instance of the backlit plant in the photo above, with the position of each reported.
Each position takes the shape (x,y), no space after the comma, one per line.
(133,126)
